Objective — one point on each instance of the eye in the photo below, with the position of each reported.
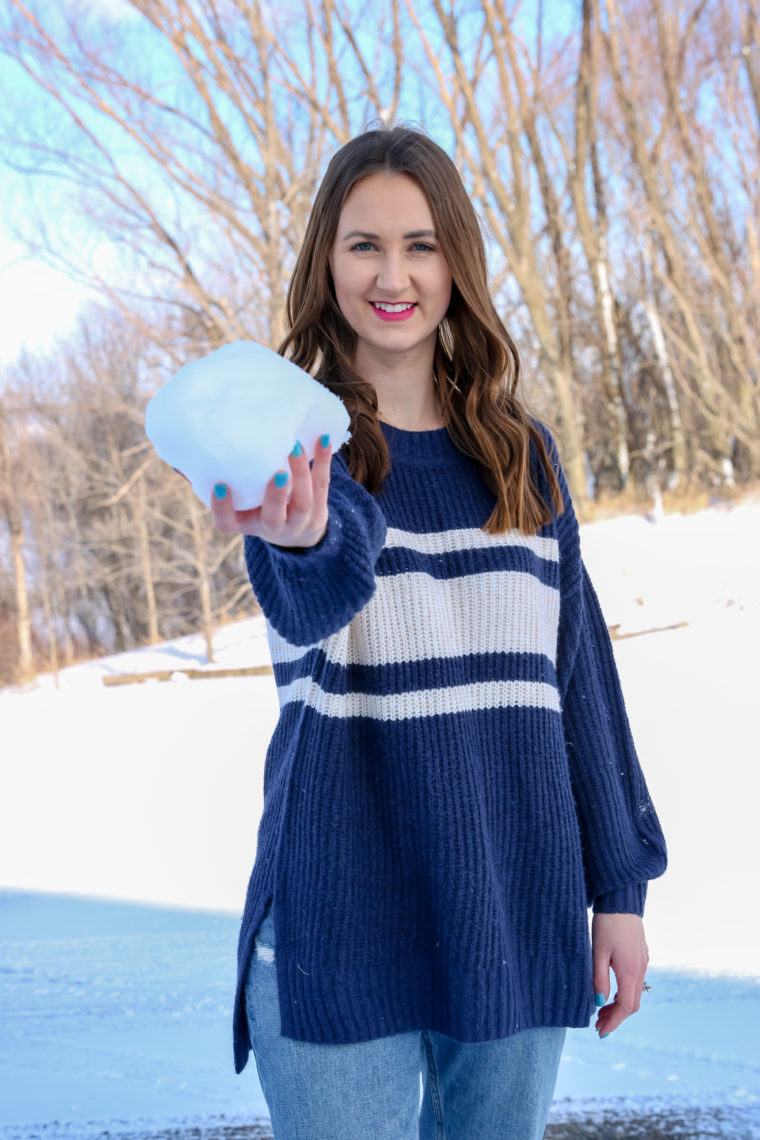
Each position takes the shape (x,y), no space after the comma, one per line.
(423,247)
(362,246)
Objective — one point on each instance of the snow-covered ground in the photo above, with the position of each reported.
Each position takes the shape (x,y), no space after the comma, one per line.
(128,822)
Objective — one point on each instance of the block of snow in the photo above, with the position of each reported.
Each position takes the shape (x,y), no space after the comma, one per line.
(234,416)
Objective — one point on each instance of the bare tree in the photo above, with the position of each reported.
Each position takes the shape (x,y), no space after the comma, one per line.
(682,274)
(116,551)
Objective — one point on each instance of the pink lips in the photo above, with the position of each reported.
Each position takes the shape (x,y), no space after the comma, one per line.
(404,315)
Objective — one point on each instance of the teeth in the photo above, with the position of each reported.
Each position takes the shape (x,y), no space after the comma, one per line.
(392,308)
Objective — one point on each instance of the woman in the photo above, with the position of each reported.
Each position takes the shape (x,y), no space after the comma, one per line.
(452,780)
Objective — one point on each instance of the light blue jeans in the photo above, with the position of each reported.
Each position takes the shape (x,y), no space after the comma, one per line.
(489,1090)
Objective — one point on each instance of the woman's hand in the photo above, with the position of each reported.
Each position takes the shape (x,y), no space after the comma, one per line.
(618,941)
(290,516)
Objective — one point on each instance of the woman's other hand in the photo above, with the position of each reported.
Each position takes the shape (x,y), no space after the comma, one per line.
(618,941)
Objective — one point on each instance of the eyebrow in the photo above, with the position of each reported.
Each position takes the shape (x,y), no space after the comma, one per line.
(376,237)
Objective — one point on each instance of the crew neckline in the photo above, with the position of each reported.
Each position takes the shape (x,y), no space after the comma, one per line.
(418,448)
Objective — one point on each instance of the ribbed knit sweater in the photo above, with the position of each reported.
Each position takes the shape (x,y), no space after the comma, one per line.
(452,780)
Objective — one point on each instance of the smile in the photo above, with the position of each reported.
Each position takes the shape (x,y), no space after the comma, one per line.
(388,312)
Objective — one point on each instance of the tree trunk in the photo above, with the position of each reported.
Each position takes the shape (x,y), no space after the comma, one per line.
(140,520)
(678,449)
(593,235)
(25,658)
(204,585)
(48,610)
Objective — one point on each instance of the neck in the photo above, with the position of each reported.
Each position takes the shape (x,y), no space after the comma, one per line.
(407,395)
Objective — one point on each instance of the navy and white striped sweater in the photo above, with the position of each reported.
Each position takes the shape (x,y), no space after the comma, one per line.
(452,780)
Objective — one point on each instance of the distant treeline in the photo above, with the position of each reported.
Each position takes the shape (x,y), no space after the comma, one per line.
(611,148)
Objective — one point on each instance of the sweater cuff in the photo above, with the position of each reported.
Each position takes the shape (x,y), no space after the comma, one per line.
(308,559)
(623,900)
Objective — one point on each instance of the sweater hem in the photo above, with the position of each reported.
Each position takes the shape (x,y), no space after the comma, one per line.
(347,1006)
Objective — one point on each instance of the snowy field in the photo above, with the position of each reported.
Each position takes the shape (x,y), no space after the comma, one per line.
(128,823)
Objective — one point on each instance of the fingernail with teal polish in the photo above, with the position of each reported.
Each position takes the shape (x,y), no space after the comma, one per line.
(602,1036)
(599,999)
(297,449)
(325,441)
(280,478)
(220,490)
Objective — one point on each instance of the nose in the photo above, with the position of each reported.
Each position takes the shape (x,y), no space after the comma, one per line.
(393,275)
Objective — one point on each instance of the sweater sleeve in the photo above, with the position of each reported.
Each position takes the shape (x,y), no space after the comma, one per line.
(623,844)
(308,594)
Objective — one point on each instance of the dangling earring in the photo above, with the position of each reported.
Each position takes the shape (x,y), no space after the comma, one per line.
(452,384)
(446,341)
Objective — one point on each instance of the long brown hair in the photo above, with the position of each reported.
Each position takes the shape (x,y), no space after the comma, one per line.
(476,364)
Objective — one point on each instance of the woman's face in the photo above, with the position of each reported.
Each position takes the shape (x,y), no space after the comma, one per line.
(391,280)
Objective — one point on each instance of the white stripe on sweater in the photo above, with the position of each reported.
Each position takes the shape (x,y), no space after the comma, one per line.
(413,616)
(422,702)
(470,538)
